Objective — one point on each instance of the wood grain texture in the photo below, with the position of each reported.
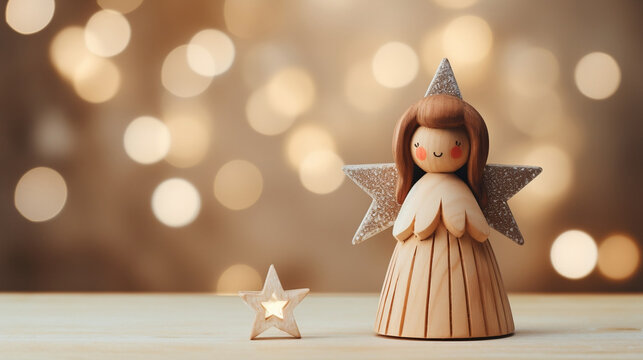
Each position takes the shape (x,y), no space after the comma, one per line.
(162,326)
(436,198)
(452,291)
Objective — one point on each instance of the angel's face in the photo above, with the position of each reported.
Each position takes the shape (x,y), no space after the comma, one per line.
(440,150)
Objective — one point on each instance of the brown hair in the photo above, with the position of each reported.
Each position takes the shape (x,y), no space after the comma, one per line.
(441,112)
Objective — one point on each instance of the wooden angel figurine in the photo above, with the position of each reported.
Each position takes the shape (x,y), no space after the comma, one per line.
(443,281)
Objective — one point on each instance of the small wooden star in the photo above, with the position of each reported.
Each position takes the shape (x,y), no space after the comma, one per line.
(274,306)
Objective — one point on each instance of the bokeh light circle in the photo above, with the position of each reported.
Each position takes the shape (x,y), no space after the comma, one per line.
(176,202)
(190,129)
(67,50)
(574,254)
(96,80)
(558,172)
(238,184)
(467,39)
(536,116)
(107,33)
(40,194)
(362,91)
(122,6)
(305,140)
(263,117)
(218,56)
(200,60)
(321,171)
(291,91)
(29,16)
(239,277)
(597,75)
(178,77)
(146,140)
(530,70)
(618,257)
(395,65)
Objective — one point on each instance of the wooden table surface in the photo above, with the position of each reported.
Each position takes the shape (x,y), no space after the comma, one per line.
(203,326)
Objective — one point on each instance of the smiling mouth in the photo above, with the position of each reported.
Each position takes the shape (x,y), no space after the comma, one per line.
(436,155)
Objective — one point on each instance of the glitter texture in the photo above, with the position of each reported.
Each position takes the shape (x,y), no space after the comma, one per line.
(378,181)
(444,81)
(503,182)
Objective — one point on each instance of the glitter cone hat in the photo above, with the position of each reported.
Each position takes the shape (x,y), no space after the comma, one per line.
(444,81)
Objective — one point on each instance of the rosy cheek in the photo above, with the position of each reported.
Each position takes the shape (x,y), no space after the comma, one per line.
(420,153)
(456,152)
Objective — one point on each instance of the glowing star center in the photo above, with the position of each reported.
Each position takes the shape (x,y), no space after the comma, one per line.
(274,306)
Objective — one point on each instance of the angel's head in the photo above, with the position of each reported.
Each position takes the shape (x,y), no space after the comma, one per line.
(444,134)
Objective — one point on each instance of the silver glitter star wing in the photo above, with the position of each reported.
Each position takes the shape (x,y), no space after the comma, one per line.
(378,181)
(503,182)
(444,81)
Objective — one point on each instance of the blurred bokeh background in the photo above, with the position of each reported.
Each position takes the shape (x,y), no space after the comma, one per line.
(164,145)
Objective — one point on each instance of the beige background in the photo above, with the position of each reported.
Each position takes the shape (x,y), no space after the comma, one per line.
(106,237)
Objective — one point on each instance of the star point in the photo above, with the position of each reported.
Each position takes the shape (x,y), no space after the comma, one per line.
(378,181)
(274,306)
(503,182)
(444,81)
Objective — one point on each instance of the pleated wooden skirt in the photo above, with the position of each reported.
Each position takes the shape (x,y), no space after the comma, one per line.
(443,287)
